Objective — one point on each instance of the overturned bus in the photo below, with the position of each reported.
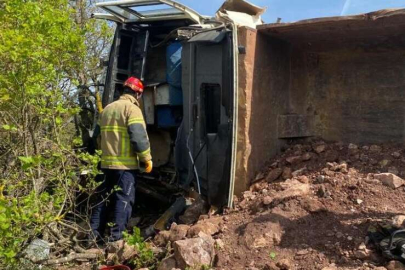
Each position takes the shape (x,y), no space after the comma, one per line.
(187,63)
(224,96)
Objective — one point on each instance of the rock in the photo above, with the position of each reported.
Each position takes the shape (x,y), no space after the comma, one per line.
(312,205)
(393,170)
(339,235)
(396,154)
(373,162)
(296,190)
(253,236)
(331,155)
(284,264)
(390,180)
(256,187)
(294,160)
(398,221)
(372,181)
(219,244)
(115,247)
(306,157)
(361,254)
(194,211)
(375,149)
(359,201)
(299,172)
(302,252)
(259,242)
(259,177)
(274,175)
(320,179)
(287,173)
(120,251)
(168,264)
(303,179)
(194,252)
(205,227)
(328,172)
(364,157)
(319,148)
(362,246)
(38,249)
(267,200)
(342,167)
(395,265)
(353,149)
(178,232)
(323,192)
(271,266)
(162,238)
(330,268)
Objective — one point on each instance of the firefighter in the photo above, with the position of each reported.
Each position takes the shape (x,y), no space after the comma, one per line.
(121,133)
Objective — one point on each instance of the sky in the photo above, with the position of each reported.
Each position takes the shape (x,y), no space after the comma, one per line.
(294,10)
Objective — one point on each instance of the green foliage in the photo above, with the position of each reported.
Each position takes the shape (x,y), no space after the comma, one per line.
(145,257)
(43,49)
(273,255)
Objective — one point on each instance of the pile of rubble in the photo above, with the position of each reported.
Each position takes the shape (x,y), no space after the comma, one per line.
(194,246)
(310,209)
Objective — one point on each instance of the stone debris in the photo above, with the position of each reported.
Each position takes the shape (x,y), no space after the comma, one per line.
(195,252)
(395,265)
(274,175)
(306,157)
(319,148)
(375,148)
(390,180)
(294,160)
(120,251)
(178,232)
(299,172)
(162,238)
(398,221)
(314,191)
(168,263)
(272,235)
(312,205)
(287,173)
(193,212)
(267,200)
(209,227)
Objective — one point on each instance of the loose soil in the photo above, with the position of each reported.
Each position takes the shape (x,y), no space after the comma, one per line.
(326,228)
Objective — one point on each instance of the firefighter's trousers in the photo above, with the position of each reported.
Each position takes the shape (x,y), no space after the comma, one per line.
(115,195)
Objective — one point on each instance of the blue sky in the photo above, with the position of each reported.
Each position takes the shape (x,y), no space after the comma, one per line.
(293,10)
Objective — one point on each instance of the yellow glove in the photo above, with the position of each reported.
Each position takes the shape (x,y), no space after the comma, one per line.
(148,166)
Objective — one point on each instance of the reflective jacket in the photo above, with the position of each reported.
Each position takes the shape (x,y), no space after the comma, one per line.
(122,130)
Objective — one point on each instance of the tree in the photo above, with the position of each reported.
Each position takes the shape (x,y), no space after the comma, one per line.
(98,39)
(48,53)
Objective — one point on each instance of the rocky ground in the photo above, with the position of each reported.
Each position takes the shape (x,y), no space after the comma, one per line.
(310,209)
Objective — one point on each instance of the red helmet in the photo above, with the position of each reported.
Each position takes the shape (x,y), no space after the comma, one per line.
(135,84)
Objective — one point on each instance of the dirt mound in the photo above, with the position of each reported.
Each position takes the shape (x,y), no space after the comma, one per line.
(311,209)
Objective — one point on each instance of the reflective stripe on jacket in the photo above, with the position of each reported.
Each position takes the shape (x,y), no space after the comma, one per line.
(124,141)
